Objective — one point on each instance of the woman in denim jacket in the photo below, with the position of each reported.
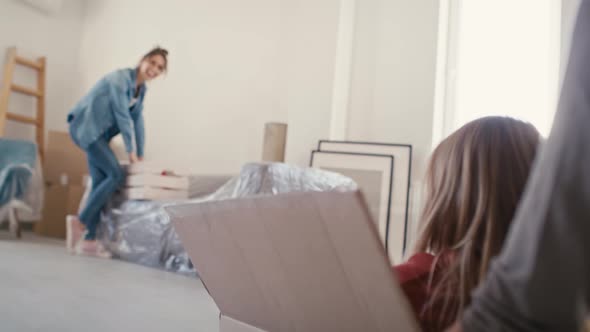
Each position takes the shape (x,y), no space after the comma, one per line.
(114,105)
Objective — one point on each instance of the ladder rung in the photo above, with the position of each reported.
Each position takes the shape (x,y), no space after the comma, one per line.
(21,118)
(26,91)
(28,63)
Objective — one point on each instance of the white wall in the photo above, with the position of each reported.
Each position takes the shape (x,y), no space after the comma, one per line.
(234,65)
(35,34)
(306,70)
(393,79)
(393,74)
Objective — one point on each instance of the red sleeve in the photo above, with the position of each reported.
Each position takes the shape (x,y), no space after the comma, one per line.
(417,267)
(413,277)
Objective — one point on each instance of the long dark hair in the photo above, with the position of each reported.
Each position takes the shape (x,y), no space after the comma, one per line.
(474,182)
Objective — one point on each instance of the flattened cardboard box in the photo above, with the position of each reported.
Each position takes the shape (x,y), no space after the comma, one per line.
(146,167)
(157,181)
(293,262)
(155,194)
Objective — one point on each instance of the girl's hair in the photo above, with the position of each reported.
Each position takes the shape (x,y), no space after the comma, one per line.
(157,51)
(474,182)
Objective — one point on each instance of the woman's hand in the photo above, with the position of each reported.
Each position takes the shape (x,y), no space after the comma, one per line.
(133,158)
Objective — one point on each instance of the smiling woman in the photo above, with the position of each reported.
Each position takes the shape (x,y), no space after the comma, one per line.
(153,63)
(113,106)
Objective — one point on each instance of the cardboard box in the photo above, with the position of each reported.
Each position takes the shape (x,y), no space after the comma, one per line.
(59,202)
(150,167)
(157,181)
(64,161)
(293,262)
(154,194)
(64,170)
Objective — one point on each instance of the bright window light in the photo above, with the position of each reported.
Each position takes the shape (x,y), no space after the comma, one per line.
(504,61)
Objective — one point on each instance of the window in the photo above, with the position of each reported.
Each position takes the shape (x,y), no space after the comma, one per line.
(497,57)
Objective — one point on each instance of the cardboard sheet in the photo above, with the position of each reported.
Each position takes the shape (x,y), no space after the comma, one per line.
(294,262)
(228,324)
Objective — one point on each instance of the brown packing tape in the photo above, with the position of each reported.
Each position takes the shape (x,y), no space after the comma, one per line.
(63,157)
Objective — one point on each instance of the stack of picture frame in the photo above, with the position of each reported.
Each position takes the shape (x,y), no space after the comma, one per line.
(383,173)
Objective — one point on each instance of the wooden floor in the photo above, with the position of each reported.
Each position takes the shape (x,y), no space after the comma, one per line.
(42,288)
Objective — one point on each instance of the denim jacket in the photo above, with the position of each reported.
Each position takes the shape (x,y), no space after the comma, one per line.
(106,108)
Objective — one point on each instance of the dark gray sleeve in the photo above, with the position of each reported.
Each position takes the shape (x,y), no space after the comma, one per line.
(540,280)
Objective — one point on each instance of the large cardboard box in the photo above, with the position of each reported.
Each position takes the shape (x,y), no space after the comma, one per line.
(158,181)
(59,202)
(64,161)
(64,170)
(293,262)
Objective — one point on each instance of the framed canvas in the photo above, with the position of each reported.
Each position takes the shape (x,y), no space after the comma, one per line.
(374,175)
(401,176)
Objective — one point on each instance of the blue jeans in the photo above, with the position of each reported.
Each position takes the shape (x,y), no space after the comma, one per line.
(107,176)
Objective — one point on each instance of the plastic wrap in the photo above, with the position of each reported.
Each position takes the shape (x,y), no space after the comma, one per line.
(141,232)
(23,190)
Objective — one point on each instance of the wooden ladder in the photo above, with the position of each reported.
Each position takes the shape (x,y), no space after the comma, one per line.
(39,93)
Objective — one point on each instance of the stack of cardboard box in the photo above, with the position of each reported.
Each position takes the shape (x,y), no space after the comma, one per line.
(150,182)
(64,170)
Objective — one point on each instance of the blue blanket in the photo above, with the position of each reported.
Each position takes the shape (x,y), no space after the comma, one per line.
(17,162)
